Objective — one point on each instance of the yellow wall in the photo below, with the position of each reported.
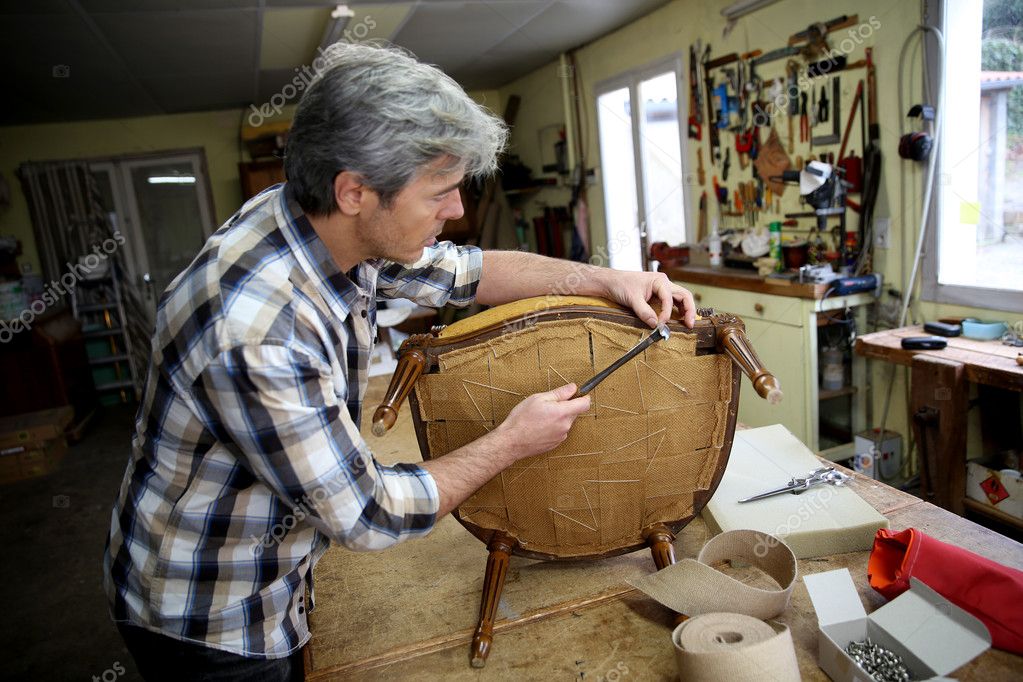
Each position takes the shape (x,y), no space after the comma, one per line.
(216,132)
(673,28)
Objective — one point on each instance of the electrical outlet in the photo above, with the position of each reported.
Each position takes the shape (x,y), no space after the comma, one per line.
(882,231)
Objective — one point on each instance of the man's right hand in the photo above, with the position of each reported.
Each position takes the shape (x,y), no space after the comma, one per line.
(541,422)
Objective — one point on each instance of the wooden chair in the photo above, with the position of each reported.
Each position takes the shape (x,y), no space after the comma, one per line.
(634,470)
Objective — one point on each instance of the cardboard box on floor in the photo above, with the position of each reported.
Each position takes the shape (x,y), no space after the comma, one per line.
(33,444)
(932,635)
(32,429)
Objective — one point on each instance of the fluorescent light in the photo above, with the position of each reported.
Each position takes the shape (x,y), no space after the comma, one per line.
(744,7)
(335,28)
(171,179)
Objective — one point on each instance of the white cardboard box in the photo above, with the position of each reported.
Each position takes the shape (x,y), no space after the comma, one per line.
(933,636)
(994,489)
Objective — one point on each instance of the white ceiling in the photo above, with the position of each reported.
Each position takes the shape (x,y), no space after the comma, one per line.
(84,59)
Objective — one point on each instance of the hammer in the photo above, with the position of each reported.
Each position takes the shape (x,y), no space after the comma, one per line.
(658,334)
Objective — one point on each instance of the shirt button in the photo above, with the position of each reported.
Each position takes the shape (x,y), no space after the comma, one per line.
(301,610)
(363,313)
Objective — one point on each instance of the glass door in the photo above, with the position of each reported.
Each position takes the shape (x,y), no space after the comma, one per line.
(161,204)
(643,174)
(169,214)
(618,170)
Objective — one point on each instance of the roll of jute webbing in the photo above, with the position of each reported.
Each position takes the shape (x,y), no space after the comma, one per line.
(693,587)
(730,646)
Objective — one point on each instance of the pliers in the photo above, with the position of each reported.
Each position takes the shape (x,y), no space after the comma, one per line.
(804,121)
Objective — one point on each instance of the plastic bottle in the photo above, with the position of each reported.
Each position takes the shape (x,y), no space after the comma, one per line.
(715,245)
(776,244)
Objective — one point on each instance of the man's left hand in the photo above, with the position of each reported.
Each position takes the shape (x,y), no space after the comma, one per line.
(636,289)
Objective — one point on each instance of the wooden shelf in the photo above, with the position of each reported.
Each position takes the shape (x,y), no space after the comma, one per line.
(991,512)
(836,393)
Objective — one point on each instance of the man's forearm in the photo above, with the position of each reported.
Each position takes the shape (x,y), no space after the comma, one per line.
(513,275)
(462,472)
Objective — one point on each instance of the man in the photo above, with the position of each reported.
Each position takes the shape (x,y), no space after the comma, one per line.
(246,459)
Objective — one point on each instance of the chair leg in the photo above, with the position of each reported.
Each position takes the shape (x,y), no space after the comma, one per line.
(660,540)
(501,546)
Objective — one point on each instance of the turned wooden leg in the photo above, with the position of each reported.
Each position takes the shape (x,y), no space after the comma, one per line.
(733,340)
(411,363)
(660,540)
(500,547)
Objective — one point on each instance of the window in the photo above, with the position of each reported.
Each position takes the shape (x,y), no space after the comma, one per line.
(161,202)
(640,137)
(977,244)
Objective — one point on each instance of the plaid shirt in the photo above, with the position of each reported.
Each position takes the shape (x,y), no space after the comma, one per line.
(246,458)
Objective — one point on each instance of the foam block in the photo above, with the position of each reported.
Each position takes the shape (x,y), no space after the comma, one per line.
(822,521)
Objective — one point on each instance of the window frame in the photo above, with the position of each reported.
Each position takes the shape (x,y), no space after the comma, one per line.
(631,79)
(931,289)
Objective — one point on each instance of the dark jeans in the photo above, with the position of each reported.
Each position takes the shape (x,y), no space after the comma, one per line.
(160,658)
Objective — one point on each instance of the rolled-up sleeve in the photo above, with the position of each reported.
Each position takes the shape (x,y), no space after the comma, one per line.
(445,275)
(279,409)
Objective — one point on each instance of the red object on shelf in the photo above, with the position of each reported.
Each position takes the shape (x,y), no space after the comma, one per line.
(669,256)
(990,591)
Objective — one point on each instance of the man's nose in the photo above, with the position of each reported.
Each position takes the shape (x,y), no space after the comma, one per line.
(453,209)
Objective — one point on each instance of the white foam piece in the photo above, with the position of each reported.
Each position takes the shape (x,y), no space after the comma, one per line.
(822,521)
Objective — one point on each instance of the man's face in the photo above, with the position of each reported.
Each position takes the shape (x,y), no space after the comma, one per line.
(416,216)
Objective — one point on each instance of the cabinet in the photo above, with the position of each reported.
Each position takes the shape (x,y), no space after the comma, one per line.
(784,330)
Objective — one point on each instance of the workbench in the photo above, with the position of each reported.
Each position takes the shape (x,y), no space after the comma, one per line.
(409,612)
(784,321)
(940,400)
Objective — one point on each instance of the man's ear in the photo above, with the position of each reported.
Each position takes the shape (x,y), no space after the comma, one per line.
(350,193)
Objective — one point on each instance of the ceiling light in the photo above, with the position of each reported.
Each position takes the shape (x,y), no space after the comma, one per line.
(171,179)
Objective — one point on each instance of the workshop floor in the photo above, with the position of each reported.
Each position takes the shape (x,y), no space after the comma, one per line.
(55,624)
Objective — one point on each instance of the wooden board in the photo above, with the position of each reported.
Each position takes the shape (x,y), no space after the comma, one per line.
(408,613)
(986,362)
(732,278)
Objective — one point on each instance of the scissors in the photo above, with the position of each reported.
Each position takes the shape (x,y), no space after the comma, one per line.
(796,486)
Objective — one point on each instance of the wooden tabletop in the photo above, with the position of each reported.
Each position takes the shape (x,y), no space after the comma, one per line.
(746,280)
(409,612)
(986,362)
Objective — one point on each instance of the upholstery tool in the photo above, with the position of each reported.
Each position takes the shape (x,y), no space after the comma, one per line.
(792,90)
(695,108)
(804,121)
(831,109)
(660,333)
(799,485)
(848,125)
(708,80)
(826,66)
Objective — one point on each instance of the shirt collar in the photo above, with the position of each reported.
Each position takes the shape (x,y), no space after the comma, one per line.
(337,289)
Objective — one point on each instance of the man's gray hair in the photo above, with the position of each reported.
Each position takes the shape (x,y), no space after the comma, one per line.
(376,111)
